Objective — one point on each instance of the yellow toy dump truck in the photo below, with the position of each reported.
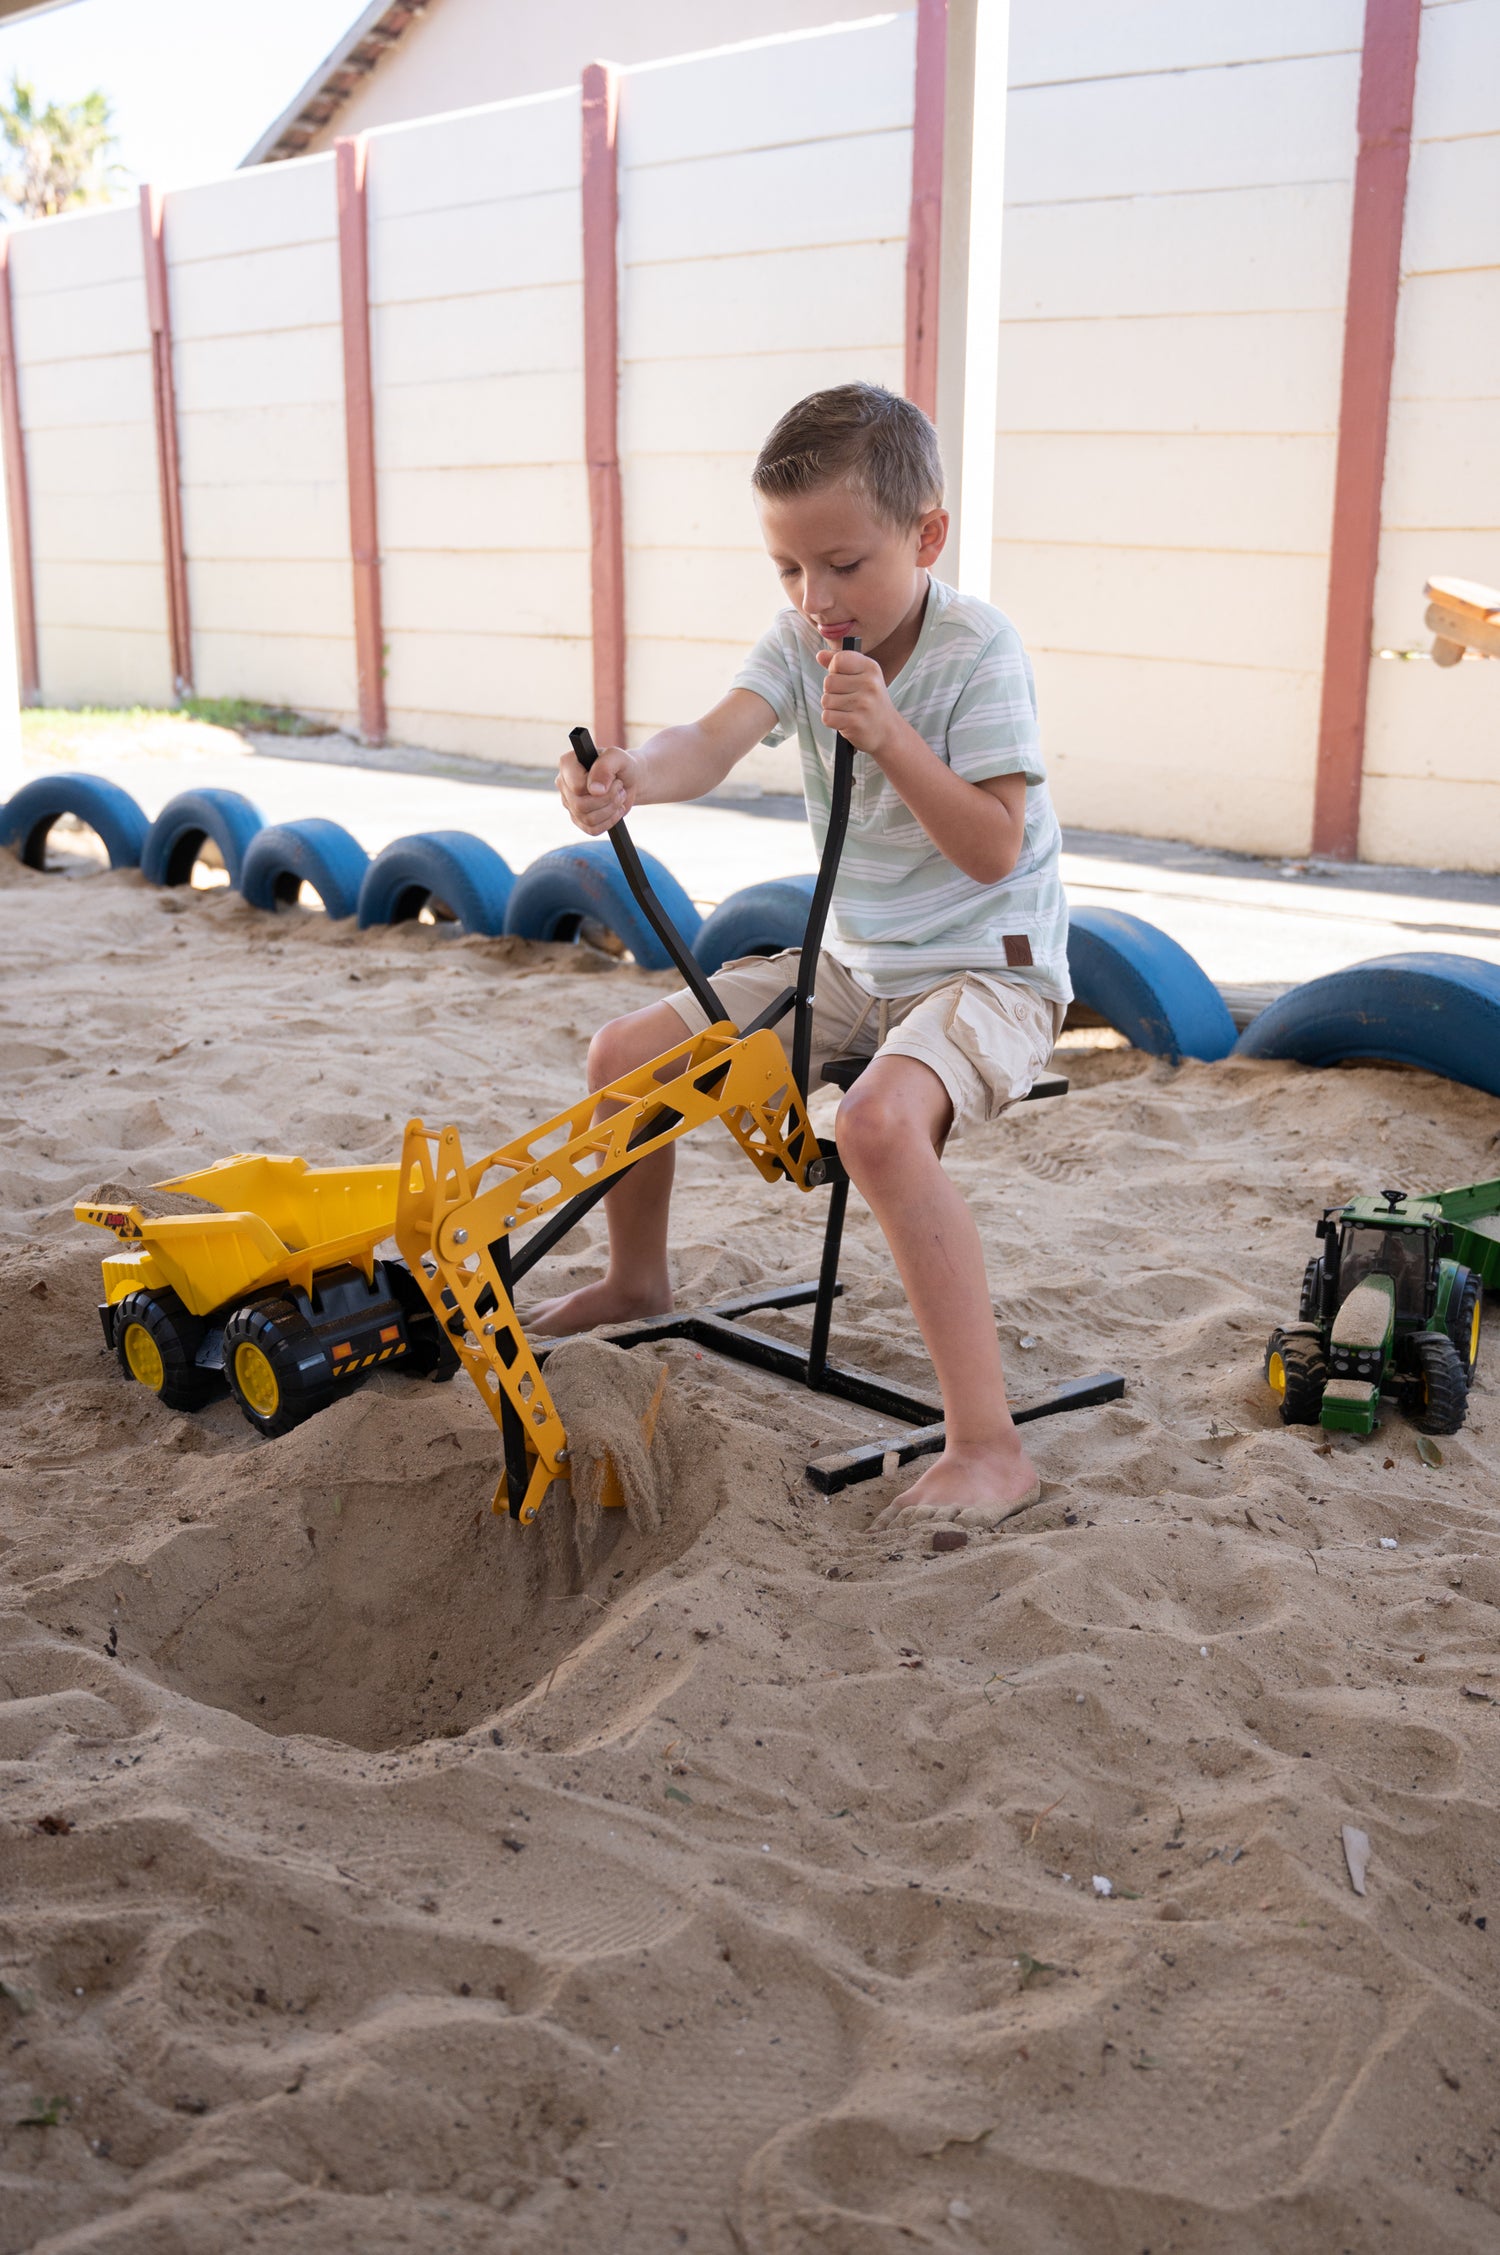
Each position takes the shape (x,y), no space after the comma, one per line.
(262,1272)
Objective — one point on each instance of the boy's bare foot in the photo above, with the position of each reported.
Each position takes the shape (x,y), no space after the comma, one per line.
(593,1304)
(967,1487)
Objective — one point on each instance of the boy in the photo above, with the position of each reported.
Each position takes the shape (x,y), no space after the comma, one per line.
(948,954)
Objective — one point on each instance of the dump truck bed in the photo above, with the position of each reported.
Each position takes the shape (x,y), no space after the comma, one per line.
(279,1220)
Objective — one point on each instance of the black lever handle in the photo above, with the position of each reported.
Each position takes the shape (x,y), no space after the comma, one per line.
(586,751)
(817,915)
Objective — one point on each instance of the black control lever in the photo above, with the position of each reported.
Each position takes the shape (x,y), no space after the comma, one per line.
(817,915)
(586,751)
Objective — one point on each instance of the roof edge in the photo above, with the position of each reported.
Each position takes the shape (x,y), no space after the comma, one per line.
(364,45)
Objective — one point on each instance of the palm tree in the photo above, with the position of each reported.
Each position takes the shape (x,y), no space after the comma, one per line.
(61,153)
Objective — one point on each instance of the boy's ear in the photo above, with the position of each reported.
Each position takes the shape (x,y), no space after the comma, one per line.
(932,535)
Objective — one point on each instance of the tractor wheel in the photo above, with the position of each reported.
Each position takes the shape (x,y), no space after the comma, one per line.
(263,1342)
(1296,1373)
(1464,1318)
(156,1341)
(1445,1393)
(1311,1308)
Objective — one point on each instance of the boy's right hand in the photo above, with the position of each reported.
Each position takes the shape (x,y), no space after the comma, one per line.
(600,796)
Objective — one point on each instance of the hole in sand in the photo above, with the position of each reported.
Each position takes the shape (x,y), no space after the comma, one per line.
(349,1580)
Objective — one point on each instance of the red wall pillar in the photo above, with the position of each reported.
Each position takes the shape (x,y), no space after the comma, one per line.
(925,228)
(1388,77)
(168,467)
(16,493)
(350,157)
(601,386)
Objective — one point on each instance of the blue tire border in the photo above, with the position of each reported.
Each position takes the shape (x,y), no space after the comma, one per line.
(1438,1012)
(287,855)
(760,919)
(176,836)
(561,888)
(452,866)
(1147,986)
(111,813)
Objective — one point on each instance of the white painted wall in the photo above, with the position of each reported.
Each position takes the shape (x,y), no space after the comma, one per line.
(462,52)
(83,353)
(477,352)
(1432,754)
(258,366)
(764,200)
(1175,259)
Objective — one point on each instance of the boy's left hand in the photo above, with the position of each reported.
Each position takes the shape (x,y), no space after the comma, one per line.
(856,701)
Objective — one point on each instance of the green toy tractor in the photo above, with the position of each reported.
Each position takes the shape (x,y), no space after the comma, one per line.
(1390,1306)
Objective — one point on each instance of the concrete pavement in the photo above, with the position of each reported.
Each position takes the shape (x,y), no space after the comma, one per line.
(1247,922)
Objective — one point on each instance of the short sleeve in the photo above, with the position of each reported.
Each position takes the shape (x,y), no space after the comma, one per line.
(993,728)
(770,672)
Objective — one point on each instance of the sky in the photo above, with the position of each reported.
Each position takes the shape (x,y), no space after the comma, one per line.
(193,83)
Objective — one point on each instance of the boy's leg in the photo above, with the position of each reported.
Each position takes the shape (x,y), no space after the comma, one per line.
(636,1282)
(891,1129)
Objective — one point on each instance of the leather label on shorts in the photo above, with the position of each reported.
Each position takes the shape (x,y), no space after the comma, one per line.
(1018,951)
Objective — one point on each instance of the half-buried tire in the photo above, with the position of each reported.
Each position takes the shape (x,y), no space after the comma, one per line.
(757,920)
(279,861)
(1438,1012)
(459,878)
(1146,986)
(566,893)
(176,839)
(112,814)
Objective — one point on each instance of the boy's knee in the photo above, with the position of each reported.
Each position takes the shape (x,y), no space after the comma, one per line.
(624,1043)
(872,1128)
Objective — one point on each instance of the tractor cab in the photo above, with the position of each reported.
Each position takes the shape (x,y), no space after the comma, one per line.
(1390,1236)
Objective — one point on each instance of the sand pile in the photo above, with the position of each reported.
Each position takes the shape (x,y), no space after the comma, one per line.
(721,1874)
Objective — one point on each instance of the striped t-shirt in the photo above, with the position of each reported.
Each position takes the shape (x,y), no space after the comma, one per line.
(904,919)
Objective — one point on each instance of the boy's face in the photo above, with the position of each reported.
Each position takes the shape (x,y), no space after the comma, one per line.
(847,570)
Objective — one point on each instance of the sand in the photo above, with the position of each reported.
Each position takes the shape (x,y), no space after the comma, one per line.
(380,1877)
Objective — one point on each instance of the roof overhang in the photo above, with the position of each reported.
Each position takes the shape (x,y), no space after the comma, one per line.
(363,47)
(11,11)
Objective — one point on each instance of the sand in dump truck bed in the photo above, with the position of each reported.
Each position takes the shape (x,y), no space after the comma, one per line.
(380,1877)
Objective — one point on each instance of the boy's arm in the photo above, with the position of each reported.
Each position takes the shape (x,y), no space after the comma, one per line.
(979,827)
(676,763)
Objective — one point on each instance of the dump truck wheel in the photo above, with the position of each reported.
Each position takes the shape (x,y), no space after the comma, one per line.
(1445,1392)
(1464,1320)
(263,1342)
(1311,1308)
(1296,1373)
(155,1341)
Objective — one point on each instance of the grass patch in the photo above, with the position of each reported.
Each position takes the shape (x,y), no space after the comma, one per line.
(244,713)
(66,732)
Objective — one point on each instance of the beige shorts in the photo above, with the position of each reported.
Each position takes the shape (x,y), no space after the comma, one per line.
(986,1038)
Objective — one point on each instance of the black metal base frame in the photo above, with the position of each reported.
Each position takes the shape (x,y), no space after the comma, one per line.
(721,1327)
